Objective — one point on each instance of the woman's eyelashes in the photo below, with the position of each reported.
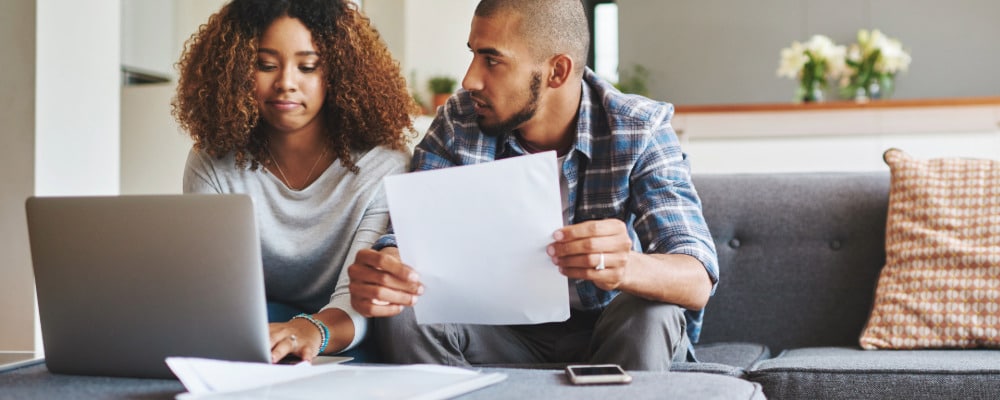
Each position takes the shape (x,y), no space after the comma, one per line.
(269,67)
(261,66)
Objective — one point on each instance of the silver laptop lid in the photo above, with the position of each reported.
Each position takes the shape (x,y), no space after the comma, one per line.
(126,281)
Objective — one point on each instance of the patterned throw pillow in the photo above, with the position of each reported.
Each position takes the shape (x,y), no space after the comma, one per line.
(940,287)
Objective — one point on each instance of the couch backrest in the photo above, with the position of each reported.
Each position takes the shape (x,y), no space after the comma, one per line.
(799,256)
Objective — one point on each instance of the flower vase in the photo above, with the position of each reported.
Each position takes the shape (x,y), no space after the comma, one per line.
(876,89)
(811,91)
(873,91)
(886,84)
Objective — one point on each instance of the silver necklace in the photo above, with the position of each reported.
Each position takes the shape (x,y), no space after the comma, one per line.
(285,178)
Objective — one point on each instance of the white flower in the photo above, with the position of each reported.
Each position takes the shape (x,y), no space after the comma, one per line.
(874,60)
(819,49)
(892,58)
(820,45)
(836,61)
(792,60)
(854,53)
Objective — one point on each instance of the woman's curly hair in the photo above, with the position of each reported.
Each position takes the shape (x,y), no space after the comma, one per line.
(367,103)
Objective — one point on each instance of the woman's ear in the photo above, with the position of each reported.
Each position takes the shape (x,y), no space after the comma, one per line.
(561,68)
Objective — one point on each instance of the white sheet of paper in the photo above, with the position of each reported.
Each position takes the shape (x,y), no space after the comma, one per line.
(477,236)
(217,379)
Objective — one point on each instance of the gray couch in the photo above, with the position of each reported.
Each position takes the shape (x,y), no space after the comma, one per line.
(799,257)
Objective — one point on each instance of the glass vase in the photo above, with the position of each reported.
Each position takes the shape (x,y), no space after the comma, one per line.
(886,84)
(873,90)
(877,88)
(810,91)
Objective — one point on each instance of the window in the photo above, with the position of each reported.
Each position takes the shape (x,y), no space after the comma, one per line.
(603,19)
(606,41)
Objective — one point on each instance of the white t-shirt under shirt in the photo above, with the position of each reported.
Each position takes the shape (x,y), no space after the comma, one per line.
(574,296)
(309,236)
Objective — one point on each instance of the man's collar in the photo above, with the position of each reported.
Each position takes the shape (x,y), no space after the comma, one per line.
(584,125)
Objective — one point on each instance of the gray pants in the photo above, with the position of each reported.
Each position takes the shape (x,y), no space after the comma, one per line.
(635,333)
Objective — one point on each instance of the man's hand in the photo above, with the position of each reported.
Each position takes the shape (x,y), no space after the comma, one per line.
(381,285)
(579,250)
(671,278)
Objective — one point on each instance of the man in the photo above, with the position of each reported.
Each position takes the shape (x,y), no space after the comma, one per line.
(640,261)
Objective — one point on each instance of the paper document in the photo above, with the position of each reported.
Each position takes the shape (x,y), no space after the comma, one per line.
(216,379)
(477,235)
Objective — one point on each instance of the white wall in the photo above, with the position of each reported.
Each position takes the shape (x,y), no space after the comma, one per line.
(17,178)
(388,17)
(428,37)
(727,51)
(153,148)
(59,103)
(437,32)
(77,97)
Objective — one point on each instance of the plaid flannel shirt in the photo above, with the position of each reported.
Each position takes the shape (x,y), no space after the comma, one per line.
(626,163)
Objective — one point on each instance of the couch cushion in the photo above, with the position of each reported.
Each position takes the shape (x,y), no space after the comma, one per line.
(732,359)
(940,287)
(742,355)
(799,255)
(853,373)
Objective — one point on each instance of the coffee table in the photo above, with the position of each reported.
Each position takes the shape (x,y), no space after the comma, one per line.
(35,382)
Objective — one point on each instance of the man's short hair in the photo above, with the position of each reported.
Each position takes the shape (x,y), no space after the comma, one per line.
(550,27)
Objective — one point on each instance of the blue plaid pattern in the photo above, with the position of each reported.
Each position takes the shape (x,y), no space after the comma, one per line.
(626,164)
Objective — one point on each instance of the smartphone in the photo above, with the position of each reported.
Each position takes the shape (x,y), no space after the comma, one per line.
(597,374)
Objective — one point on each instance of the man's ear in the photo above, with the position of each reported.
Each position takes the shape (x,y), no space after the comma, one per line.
(560,70)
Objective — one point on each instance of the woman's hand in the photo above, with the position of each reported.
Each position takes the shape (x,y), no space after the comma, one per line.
(297,337)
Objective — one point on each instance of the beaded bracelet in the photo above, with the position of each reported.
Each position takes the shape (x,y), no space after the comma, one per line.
(323,330)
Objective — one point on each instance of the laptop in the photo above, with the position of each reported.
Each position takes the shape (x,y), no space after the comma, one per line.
(125,281)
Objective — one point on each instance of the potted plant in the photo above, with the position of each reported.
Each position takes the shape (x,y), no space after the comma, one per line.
(441,87)
(635,81)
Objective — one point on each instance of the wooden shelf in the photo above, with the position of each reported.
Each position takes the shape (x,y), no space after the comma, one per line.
(837,105)
(835,136)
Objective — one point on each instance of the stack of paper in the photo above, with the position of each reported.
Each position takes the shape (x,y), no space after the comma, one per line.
(214,379)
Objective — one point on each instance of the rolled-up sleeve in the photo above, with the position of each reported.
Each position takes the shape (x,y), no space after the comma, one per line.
(668,211)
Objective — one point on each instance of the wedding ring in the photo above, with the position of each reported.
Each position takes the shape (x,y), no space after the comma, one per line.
(378,302)
(293,339)
(600,264)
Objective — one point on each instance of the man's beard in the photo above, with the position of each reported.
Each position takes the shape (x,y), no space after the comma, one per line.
(522,116)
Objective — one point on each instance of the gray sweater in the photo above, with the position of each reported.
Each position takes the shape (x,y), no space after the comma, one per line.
(308,237)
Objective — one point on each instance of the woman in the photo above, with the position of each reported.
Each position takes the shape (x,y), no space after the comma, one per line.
(298,104)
